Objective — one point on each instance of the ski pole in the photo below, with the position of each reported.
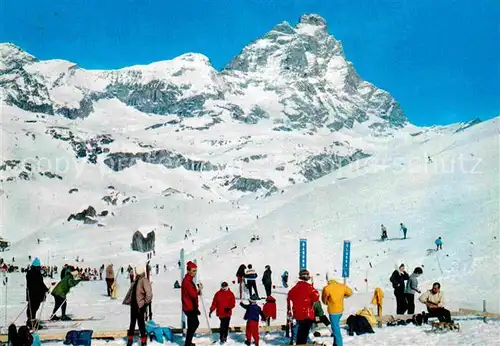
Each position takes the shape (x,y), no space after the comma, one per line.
(6,293)
(15,319)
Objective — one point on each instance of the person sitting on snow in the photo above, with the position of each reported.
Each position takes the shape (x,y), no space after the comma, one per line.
(434,300)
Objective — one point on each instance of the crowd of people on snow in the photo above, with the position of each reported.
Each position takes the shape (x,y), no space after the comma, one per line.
(303,300)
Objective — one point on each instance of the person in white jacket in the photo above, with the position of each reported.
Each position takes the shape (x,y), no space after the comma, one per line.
(434,300)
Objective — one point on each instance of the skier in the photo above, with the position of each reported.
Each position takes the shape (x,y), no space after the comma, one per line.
(59,293)
(284,279)
(267,280)
(429,160)
(333,295)
(110,278)
(439,244)
(411,289)
(240,275)
(397,279)
(157,269)
(101,270)
(223,303)
(149,307)
(189,294)
(138,297)
(434,300)
(404,229)
(250,277)
(384,232)
(35,291)
(252,315)
(302,296)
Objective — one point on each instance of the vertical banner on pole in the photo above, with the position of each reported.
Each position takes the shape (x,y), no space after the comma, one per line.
(303,254)
(183,266)
(346,259)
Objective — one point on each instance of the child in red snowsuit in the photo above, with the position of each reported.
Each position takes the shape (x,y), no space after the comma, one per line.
(269,309)
(252,316)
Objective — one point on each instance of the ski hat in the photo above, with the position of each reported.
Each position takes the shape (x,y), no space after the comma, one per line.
(253,298)
(139,270)
(191,265)
(268,266)
(36,262)
(224,284)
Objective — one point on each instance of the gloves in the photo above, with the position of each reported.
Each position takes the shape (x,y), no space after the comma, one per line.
(200,286)
(210,314)
(198,312)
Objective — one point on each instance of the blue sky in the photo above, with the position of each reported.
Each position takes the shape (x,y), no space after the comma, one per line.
(438,58)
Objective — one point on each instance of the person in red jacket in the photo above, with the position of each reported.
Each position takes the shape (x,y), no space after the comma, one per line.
(269,309)
(223,303)
(302,296)
(189,294)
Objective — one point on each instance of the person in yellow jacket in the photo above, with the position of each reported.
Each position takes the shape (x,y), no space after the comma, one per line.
(333,297)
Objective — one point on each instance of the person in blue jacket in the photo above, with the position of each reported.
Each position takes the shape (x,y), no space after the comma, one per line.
(404,229)
(253,315)
(439,244)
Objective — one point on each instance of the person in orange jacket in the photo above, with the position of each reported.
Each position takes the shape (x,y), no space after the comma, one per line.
(302,296)
(223,304)
(333,296)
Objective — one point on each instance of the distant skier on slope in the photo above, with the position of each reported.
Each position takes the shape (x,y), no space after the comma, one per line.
(404,229)
(284,279)
(384,232)
(439,244)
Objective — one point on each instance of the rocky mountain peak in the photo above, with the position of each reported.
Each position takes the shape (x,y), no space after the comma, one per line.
(312,19)
(11,57)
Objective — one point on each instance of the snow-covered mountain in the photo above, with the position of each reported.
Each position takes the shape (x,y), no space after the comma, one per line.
(286,141)
(290,102)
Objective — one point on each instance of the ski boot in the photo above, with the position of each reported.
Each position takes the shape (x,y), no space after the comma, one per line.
(65,318)
(130,337)
(144,340)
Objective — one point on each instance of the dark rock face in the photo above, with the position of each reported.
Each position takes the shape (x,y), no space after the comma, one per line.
(319,165)
(88,213)
(251,185)
(141,244)
(119,161)
(88,149)
(86,107)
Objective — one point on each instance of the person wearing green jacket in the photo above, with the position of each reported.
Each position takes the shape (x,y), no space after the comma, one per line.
(59,293)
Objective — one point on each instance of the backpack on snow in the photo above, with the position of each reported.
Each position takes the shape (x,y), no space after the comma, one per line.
(24,337)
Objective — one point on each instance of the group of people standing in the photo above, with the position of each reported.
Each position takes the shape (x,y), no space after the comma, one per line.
(406,286)
(36,292)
